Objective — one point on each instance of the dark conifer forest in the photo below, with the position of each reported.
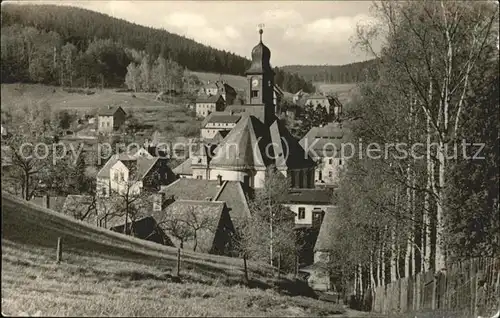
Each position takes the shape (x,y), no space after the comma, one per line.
(65,45)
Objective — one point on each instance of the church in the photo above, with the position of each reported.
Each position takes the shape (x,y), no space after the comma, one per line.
(257,141)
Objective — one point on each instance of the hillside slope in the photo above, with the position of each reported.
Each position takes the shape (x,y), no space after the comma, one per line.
(26,223)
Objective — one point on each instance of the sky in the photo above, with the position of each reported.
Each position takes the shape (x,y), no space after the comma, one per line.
(297,32)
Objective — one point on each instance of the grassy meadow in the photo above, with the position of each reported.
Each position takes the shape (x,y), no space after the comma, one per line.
(173,120)
(343,91)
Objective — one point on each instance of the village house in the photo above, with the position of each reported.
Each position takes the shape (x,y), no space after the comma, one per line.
(110,118)
(330,103)
(206,105)
(298,96)
(309,206)
(211,221)
(319,278)
(220,87)
(324,144)
(133,173)
(232,193)
(218,122)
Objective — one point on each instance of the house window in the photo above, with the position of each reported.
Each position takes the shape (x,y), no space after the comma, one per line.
(199,177)
(340,162)
(330,174)
(115,175)
(255,93)
(302,213)
(320,175)
(330,161)
(104,191)
(122,176)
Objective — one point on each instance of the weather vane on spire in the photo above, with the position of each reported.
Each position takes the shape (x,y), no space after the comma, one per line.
(261,27)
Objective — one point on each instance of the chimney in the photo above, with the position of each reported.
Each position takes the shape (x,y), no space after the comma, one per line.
(219,179)
(47,201)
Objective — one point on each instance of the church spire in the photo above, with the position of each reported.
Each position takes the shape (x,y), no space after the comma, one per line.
(261,27)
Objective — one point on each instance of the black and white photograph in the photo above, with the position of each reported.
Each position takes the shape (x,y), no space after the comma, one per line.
(250,158)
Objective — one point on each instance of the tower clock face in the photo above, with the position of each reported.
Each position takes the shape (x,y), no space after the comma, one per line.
(255,82)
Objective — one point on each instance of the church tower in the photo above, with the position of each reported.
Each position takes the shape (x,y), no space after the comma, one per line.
(260,89)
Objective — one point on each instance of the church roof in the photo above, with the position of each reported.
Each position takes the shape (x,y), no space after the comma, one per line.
(253,145)
(287,150)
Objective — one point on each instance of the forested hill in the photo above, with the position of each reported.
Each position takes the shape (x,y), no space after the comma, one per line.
(349,73)
(80,26)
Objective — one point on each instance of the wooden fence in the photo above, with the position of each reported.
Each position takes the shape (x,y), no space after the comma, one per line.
(471,287)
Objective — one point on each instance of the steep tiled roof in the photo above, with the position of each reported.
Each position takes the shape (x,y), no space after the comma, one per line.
(208,99)
(327,139)
(230,119)
(328,231)
(141,165)
(230,192)
(216,115)
(194,189)
(210,212)
(311,196)
(184,168)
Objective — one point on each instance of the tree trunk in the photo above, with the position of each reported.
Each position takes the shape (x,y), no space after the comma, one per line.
(393,262)
(408,256)
(440,243)
(373,283)
(360,274)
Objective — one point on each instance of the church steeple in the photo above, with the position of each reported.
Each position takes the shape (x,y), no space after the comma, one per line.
(260,78)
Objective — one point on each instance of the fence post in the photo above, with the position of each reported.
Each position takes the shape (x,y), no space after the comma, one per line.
(245,267)
(279,266)
(434,291)
(179,262)
(296,266)
(59,250)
